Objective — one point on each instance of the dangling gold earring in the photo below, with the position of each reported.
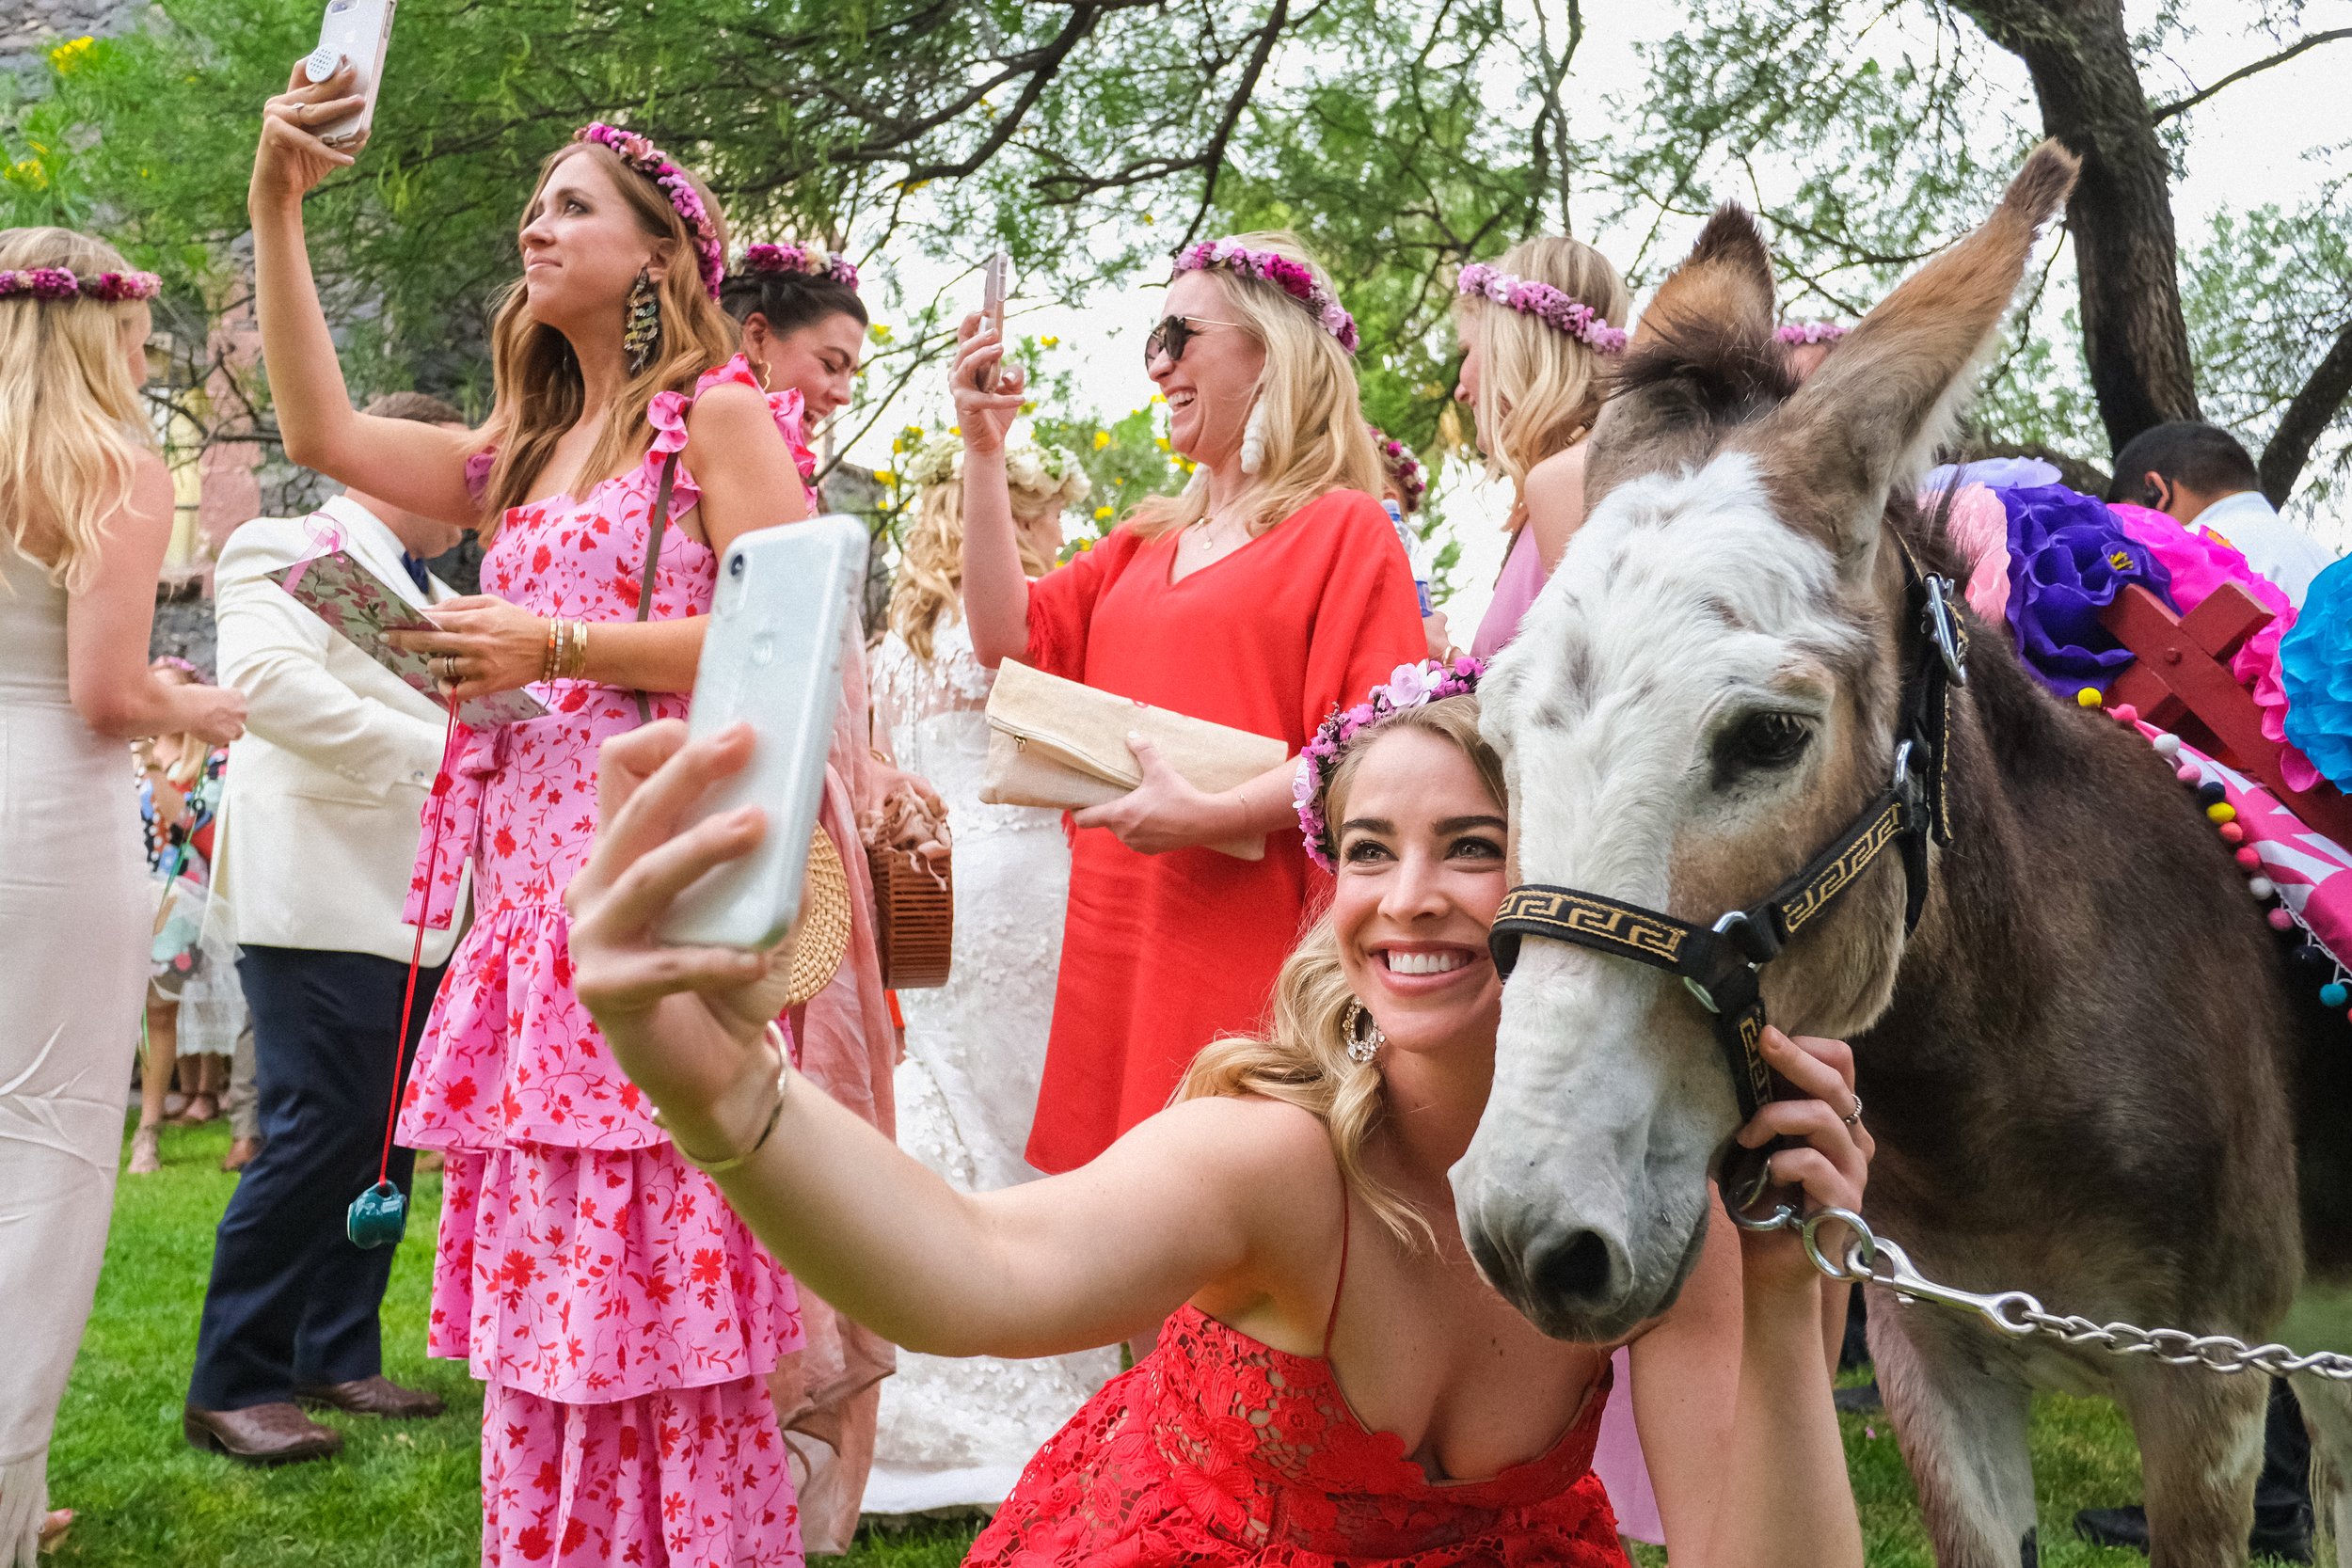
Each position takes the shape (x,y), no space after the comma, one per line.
(760,369)
(1364,1038)
(641,331)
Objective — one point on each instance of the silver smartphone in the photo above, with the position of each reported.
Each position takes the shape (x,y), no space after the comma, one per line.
(357,31)
(779,629)
(995,287)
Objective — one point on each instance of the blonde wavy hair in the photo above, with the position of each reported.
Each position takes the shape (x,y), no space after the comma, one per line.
(1302,1057)
(538,393)
(1316,437)
(1538,388)
(71,420)
(931,556)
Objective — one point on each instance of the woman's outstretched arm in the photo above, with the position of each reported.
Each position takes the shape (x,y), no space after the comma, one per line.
(412,464)
(1055,1265)
(995,589)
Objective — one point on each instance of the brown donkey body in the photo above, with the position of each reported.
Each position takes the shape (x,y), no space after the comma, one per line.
(2089,1075)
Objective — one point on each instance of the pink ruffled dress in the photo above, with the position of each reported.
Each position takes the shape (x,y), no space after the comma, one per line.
(621,1317)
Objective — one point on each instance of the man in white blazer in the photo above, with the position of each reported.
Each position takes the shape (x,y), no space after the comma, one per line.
(318,832)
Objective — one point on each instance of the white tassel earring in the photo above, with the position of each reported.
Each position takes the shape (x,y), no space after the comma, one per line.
(1253,439)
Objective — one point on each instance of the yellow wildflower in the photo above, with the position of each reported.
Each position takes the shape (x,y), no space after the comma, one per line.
(71,54)
(1160,441)
(1050,342)
(883,476)
(1102,439)
(1102,514)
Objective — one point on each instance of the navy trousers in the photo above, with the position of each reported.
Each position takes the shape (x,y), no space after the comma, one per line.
(292,1303)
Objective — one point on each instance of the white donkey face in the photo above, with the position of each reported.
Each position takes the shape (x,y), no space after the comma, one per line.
(1674,706)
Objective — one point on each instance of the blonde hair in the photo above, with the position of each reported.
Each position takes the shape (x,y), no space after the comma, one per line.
(1538,388)
(931,557)
(1301,1059)
(537,389)
(72,424)
(1316,437)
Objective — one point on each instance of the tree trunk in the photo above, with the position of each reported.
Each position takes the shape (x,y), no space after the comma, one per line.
(2307,419)
(2125,255)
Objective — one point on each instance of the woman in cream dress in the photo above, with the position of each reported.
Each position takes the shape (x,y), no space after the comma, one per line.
(955,1433)
(84,514)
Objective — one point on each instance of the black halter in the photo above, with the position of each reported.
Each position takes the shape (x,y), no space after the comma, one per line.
(1722,964)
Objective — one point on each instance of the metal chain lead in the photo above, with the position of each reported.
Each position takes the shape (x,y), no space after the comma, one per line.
(1872,1258)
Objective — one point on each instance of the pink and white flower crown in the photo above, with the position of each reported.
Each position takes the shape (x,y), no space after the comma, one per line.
(807,260)
(1410,685)
(1404,469)
(655,165)
(1795,333)
(1560,312)
(111,288)
(1293,279)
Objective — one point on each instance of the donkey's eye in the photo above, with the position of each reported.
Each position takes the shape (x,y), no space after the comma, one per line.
(1761,743)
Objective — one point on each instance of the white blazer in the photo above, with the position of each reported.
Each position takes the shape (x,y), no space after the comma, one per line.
(326,790)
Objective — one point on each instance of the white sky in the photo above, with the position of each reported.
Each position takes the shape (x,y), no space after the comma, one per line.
(2252,143)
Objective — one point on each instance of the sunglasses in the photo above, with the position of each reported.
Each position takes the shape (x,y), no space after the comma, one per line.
(1171,336)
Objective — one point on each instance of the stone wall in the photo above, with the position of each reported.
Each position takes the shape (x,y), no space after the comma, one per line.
(28,26)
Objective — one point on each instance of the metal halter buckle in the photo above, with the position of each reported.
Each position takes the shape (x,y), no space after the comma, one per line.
(1943,628)
(1727,926)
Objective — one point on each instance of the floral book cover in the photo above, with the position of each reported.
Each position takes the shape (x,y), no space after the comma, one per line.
(357,603)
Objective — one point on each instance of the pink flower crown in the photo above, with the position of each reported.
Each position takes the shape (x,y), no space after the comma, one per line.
(806,260)
(655,165)
(1410,685)
(111,288)
(1794,333)
(1560,312)
(1293,279)
(1404,469)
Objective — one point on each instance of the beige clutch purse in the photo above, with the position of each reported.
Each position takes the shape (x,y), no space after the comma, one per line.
(1053,742)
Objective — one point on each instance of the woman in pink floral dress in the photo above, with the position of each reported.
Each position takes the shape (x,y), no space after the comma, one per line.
(621,1318)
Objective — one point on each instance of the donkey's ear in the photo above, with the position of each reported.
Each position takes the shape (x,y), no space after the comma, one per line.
(1703,358)
(1870,417)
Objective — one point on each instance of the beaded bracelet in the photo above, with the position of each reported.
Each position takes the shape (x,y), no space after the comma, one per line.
(775,1114)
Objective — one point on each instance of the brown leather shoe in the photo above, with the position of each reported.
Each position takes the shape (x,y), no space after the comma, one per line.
(261,1433)
(374,1396)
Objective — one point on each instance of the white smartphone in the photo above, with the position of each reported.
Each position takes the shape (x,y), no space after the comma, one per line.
(779,625)
(996,285)
(357,31)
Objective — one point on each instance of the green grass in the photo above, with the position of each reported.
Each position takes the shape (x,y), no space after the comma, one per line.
(404,1493)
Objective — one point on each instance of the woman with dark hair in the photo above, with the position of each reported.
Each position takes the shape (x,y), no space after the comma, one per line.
(623,1321)
(803,324)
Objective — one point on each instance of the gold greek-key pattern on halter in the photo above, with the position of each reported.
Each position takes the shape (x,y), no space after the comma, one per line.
(1816,894)
(1752,1049)
(1600,923)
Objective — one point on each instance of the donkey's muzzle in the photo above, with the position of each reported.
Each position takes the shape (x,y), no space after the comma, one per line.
(1573,1283)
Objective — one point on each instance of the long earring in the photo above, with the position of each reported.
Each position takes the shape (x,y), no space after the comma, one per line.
(1253,439)
(760,369)
(641,331)
(1364,1038)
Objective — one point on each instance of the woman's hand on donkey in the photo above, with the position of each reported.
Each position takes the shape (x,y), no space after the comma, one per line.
(1830,1160)
(688,1024)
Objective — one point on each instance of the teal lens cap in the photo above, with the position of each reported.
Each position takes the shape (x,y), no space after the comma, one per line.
(378,1217)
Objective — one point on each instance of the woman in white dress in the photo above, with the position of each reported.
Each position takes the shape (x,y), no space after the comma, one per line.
(84,514)
(955,1433)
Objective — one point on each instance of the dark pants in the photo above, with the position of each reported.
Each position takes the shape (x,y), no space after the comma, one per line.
(292,1303)
(2283,1492)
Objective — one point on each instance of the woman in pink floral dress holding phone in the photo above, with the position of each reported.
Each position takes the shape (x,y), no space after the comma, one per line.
(620,1316)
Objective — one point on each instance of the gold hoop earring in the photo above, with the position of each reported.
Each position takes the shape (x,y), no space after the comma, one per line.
(760,369)
(640,319)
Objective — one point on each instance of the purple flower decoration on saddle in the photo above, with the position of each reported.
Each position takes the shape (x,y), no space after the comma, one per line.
(2068,557)
(1408,685)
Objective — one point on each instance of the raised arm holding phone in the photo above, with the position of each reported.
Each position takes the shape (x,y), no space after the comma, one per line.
(628,448)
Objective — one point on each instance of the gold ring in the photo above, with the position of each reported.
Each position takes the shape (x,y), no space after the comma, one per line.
(449,668)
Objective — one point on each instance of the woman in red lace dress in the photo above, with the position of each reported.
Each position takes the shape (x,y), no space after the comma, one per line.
(1337,1383)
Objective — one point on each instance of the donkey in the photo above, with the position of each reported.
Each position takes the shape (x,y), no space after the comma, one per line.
(2087,1074)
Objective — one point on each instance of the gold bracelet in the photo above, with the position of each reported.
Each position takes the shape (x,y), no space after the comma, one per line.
(554,648)
(576,659)
(775,1114)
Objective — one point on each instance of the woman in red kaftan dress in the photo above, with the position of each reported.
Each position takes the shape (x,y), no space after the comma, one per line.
(1268,592)
(621,1316)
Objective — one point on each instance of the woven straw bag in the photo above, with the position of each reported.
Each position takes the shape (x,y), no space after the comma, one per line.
(824,928)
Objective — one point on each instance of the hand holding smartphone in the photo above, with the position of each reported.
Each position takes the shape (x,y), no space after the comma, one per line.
(356,32)
(997,283)
(773,659)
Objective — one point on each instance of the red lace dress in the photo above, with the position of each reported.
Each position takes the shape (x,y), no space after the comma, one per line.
(1217,1448)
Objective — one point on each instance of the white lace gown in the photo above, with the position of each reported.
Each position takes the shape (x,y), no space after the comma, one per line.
(955,1433)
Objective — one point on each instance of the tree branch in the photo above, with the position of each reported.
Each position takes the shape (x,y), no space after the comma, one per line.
(2310,412)
(1213,157)
(2163,111)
